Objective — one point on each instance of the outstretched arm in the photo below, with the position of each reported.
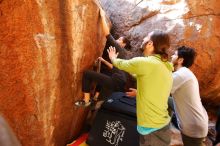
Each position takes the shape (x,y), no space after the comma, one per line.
(132,66)
(109,37)
(104,23)
(106,62)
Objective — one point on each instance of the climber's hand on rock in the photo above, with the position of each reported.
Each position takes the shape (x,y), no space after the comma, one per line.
(102,13)
(101,59)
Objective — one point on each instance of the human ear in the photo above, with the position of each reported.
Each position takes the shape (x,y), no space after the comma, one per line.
(150,43)
(180,60)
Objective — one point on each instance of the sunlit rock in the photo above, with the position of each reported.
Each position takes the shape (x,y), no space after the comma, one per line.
(44,48)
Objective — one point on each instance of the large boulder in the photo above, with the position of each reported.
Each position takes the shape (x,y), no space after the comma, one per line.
(191,23)
(44,48)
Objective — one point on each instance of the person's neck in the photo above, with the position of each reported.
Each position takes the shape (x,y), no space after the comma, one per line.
(148,54)
(177,67)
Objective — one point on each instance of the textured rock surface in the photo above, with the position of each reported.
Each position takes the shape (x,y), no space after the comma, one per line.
(192,23)
(44,48)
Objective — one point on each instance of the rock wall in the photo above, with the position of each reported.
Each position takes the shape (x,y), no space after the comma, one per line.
(44,48)
(192,23)
(46,45)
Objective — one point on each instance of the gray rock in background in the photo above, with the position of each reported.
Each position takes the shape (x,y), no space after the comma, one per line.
(191,23)
(136,19)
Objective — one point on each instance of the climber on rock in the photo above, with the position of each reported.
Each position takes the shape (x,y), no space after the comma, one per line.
(110,79)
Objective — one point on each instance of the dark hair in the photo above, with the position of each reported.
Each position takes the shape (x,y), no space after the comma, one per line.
(127,42)
(161,43)
(188,54)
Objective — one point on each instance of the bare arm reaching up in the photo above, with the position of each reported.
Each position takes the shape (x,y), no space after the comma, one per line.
(106,62)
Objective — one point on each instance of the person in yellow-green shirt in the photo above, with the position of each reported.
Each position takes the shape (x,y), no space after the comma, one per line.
(154,82)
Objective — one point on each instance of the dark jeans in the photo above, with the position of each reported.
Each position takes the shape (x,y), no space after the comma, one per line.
(104,82)
(161,137)
(190,141)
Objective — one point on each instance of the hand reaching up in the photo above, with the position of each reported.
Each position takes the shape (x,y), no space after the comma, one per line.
(104,22)
(102,13)
(112,53)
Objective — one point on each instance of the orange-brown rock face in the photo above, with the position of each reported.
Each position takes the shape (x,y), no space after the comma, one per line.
(203,32)
(44,48)
(192,23)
